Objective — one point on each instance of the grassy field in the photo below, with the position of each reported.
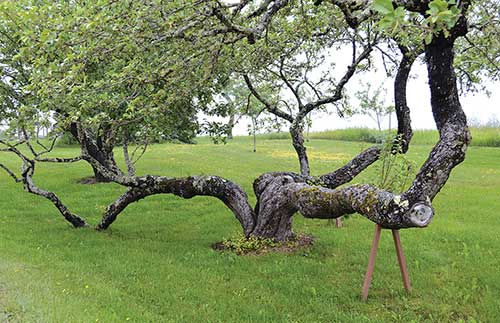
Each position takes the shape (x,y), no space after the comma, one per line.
(155,264)
(481,136)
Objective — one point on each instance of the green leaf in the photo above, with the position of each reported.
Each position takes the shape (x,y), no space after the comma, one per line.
(428,38)
(383,6)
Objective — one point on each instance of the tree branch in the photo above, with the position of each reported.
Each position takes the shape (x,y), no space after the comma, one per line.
(27,171)
(226,191)
(272,108)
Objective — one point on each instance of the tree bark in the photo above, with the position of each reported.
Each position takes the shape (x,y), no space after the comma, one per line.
(281,195)
(230,126)
(100,149)
(231,194)
(405,132)
(296,131)
(454,135)
(379,206)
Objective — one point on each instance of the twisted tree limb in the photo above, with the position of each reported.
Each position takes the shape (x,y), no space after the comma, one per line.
(400,103)
(281,195)
(226,191)
(26,178)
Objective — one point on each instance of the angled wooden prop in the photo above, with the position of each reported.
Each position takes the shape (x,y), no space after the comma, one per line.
(373,255)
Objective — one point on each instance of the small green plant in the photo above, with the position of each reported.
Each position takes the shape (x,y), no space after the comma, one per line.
(257,245)
(393,170)
(243,245)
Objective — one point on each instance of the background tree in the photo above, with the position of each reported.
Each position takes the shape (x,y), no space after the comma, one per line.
(478,53)
(107,78)
(372,103)
(289,60)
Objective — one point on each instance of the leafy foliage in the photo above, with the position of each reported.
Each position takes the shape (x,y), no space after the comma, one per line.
(394,170)
(441,16)
(96,63)
(477,58)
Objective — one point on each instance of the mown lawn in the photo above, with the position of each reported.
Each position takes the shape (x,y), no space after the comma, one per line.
(155,264)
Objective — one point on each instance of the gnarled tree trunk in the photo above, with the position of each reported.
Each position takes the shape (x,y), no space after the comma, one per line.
(101,150)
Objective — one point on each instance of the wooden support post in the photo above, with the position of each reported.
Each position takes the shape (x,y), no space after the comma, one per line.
(338,222)
(401,260)
(373,255)
(371,262)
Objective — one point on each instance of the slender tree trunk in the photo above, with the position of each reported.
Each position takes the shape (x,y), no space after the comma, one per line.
(296,131)
(254,132)
(379,121)
(230,126)
(308,129)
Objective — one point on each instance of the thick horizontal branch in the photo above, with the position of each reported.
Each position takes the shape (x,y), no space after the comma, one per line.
(281,196)
(382,207)
(231,194)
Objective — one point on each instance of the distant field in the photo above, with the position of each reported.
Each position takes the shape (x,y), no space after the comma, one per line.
(483,136)
(155,264)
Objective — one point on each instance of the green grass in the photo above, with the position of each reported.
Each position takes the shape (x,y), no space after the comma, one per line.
(155,264)
(482,136)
